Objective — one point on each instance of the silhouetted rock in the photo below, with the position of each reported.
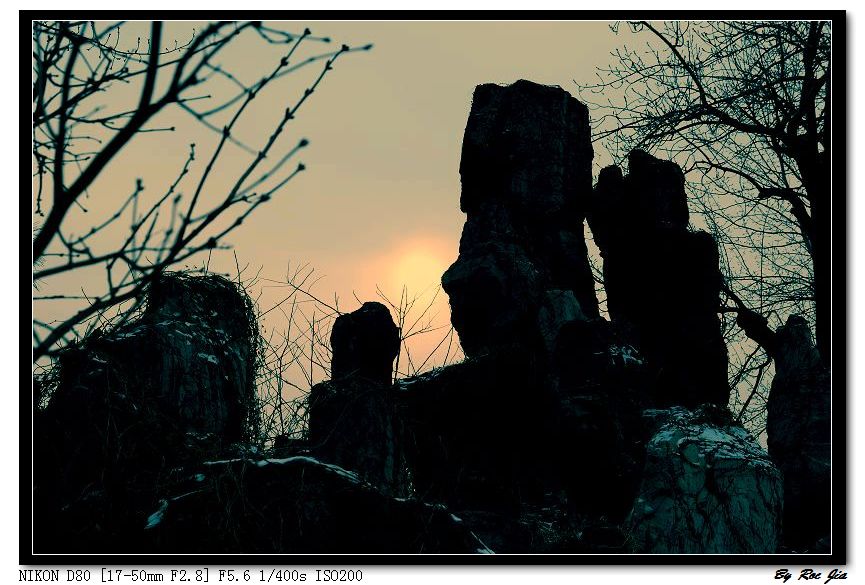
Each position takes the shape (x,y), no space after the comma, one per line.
(352,424)
(559,307)
(365,343)
(526,179)
(662,279)
(546,439)
(174,384)
(799,434)
(651,196)
(297,505)
(527,147)
(501,440)
(707,487)
(481,437)
(477,433)
(600,391)
(495,295)
(351,417)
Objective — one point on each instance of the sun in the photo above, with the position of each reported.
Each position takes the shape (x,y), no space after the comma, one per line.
(418,267)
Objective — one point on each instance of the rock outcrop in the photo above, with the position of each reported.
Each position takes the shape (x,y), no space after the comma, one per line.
(600,388)
(522,287)
(297,505)
(191,354)
(799,429)
(129,404)
(364,344)
(352,424)
(662,279)
(526,178)
(562,431)
(351,416)
(707,487)
(476,433)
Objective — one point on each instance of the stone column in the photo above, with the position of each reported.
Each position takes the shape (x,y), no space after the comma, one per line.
(351,416)
(662,279)
(526,179)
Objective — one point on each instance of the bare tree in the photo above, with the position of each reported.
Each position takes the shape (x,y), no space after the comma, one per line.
(296,353)
(81,121)
(415,317)
(744,108)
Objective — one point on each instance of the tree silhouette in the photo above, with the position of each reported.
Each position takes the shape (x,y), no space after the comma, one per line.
(81,121)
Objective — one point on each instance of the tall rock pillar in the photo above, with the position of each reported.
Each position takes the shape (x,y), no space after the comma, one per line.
(526,178)
(662,279)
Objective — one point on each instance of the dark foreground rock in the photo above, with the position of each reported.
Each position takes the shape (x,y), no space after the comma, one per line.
(352,421)
(535,451)
(298,505)
(600,386)
(129,405)
(473,437)
(352,424)
(799,427)
(707,487)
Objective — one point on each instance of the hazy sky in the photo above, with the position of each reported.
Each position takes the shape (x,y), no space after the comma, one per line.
(379,201)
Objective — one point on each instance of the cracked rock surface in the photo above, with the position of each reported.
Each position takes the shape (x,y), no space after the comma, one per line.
(708,487)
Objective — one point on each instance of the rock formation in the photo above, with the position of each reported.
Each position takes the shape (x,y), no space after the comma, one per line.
(523,303)
(475,432)
(708,487)
(297,505)
(547,438)
(131,403)
(526,176)
(351,418)
(600,386)
(662,279)
(799,427)
(364,344)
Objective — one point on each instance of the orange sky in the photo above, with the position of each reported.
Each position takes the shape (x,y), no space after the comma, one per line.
(379,201)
